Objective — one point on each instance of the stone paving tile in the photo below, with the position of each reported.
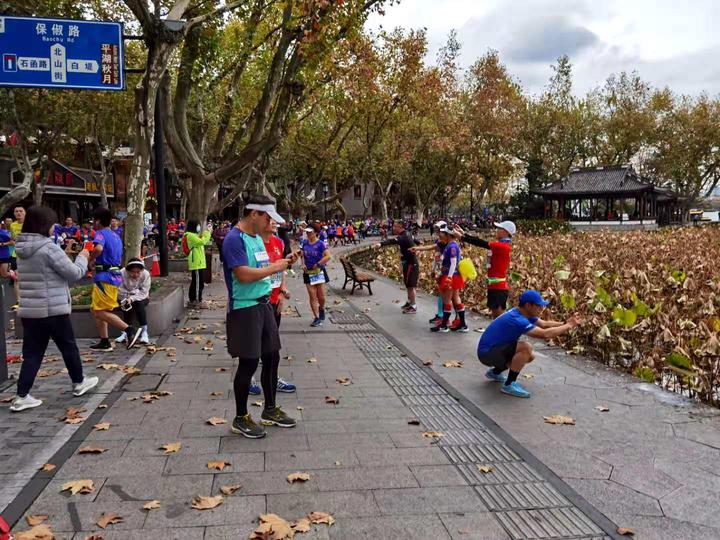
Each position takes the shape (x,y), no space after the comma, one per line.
(316,459)
(197,464)
(350,440)
(365,478)
(373,457)
(437,475)
(341,504)
(151,447)
(265,483)
(372,528)
(277,440)
(99,464)
(143,488)
(473,526)
(428,500)
(184,533)
(241,511)
(616,499)
(693,505)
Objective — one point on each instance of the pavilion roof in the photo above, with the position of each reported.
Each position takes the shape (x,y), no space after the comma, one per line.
(620,180)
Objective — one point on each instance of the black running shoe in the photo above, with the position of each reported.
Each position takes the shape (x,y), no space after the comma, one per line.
(133,334)
(435,320)
(103,345)
(277,417)
(245,426)
(440,328)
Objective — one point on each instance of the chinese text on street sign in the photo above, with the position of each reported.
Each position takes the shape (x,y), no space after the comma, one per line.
(61,53)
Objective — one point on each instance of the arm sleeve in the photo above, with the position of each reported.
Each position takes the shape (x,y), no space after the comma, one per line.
(123,291)
(453,266)
(145,285)
(61,263)
(234,252)
(475,241)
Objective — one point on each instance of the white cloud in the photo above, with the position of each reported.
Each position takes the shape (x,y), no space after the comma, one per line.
(671,43)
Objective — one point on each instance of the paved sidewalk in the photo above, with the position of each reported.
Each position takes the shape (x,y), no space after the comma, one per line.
(649,463)
(372,470)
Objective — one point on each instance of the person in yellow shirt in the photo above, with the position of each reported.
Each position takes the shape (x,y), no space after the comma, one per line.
(15,229)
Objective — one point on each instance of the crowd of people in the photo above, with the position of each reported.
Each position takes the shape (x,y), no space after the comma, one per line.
(257,255)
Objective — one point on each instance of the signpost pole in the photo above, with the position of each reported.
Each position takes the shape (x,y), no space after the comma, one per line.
(160,185)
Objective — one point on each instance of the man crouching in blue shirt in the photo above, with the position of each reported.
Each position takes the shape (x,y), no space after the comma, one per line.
(500,348)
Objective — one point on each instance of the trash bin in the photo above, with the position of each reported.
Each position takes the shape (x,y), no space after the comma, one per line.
(207,273)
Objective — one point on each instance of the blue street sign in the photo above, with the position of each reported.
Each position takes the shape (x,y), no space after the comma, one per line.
(61,53)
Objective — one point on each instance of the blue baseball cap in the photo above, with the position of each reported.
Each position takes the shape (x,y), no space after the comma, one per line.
(532,297)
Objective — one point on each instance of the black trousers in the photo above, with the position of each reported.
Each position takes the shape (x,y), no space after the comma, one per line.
(197,284)
(138,311)
(36,336)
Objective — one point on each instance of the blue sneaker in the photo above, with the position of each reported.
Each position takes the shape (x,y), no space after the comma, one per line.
(316,322)
(489,374)
(284,386)
(255,389)
(322,315)
(514,389)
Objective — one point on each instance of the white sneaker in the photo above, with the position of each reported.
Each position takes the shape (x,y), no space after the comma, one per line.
(121,338)
(22,403)
(144,338)
(87,384)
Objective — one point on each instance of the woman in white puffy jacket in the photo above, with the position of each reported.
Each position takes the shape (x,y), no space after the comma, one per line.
(134,296)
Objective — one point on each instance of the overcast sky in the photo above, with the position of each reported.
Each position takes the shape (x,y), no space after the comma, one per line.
(673,43)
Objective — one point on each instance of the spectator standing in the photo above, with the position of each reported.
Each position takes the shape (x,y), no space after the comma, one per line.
(45,305)
(15,229)
(134,296)
(196,243)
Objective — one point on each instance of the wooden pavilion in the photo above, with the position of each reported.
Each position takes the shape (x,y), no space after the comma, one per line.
(610,196)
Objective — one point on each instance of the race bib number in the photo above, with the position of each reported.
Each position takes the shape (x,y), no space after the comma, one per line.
(317,277)
(262,259)
(276,280)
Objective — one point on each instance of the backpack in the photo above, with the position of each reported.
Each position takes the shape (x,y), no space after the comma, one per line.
(185,248)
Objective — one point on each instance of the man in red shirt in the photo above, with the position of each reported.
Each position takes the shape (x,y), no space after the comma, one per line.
(498,264)
(173,234)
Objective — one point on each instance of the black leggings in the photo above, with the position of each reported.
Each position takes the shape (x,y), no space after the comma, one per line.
(268,379)
(138,310)
(197,284)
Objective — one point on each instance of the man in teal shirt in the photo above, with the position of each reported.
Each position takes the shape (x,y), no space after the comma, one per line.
(252,332)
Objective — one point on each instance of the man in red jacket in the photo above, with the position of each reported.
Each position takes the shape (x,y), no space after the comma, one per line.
(498,264)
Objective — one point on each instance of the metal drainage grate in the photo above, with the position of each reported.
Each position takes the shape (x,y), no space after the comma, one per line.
(480,453)
(503,473)
(548,523)
(347,318)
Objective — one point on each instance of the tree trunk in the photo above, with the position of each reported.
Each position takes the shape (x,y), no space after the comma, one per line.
(204,198)
(383,208)
(420,209)
(18,193)
(39,188)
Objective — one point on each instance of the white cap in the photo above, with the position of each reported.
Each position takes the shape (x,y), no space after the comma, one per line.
(269,209)
(445,229)
(508,226)
(309,229)
(440,224)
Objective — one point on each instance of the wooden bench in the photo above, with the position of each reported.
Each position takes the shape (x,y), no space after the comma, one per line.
(359,279)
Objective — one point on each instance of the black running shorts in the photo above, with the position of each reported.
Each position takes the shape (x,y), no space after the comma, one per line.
(252,332)
(500,356)
(411,274)
(497,298)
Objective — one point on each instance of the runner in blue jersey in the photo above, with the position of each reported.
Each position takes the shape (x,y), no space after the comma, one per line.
(252,332)
(315,255)
(500,346)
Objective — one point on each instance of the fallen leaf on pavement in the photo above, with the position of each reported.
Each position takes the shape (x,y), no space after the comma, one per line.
(345,381)
(453,363)
(338,463)
(171,448)
(47,467)
(427,362)
(108,518)
(220,369)
(432,434)
(321,517)
(289,358)
(414,422)
(108,366)
(102,426)
(35,520)
(103,406)
(624,531)
(215,394)
(300,407)
(214,421)
(332,400)
(207,503)
(272,527)
(78,486)
(559,419)
(92,450)
(229,490)
(77,420)
(602,408)
(218,465)
(311,360)
(257,403)
(39,532)
(528,375)
(298,477)
(7,399)
(302,525)
(95,537)
(151,505)
(485,469)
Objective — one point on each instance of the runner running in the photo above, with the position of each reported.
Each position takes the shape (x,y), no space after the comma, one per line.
(450,284)
(498,264)
(500,348)
(316,255)
(409,262)
(252,333)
